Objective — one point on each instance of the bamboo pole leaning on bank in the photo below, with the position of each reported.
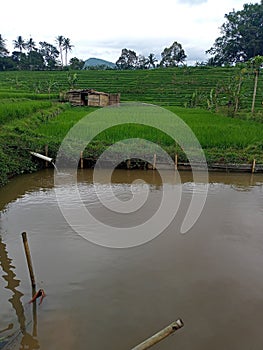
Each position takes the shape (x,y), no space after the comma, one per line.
(29,260)
(156,338)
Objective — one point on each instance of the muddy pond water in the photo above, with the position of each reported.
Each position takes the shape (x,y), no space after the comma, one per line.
(104,298)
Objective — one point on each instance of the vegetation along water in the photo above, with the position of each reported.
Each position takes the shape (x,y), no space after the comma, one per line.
(33,112)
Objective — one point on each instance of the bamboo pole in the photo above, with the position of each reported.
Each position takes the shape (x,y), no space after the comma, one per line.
(176,162)
(29,260)
(154,162)
(128,163)
(81,160)
(41,156)
(254,166)
(156,338)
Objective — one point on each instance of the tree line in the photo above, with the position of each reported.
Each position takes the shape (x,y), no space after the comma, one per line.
(241,40)
(28,55)
(171,57)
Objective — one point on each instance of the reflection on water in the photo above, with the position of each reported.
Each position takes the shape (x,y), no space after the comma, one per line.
(100,298)
(8,340)
(44,180)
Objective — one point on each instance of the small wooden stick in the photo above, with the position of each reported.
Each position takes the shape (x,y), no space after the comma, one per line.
(253,166)
(29,260)
(156,338)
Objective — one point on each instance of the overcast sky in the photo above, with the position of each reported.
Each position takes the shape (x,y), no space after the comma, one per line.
(102,28)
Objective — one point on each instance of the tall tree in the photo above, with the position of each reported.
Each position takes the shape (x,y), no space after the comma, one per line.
(60,41)
(76,64)
(67,46)
(30,45)
(142,62)
(172,56)
(152,60)
(49,53)
(242,36)
(19,43)
(3,49)
(36,60)
(127,60)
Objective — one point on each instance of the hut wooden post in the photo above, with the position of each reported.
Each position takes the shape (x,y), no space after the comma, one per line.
(46,154)
(81,160)
(156,338)
(176,161)
(154,162)
(253,166)
(29,260)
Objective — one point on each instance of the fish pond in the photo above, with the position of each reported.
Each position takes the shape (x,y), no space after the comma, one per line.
(99,297)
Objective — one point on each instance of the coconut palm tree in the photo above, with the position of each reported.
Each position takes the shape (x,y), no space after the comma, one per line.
(67,47)
(60,41)
(19,43)
(30,45)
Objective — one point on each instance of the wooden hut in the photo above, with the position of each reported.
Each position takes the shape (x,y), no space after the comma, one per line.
(90,97)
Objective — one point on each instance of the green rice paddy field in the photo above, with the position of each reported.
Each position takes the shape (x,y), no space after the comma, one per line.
(31,115)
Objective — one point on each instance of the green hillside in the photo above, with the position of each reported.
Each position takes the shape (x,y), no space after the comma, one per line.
(181,86)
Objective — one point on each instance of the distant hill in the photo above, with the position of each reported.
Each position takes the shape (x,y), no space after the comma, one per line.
(98,62)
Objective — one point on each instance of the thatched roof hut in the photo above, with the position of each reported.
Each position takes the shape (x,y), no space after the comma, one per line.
(90,97)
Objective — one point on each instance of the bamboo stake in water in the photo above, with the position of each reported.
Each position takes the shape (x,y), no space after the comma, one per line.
(154,162)
(46,154)
(176,161)
(81,160)
(156,338)
(29,260)
(254,166)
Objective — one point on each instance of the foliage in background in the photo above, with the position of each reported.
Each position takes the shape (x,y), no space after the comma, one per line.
(242,36)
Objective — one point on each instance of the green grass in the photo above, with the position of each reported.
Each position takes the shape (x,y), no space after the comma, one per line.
(169,86)
(222,138)
(31,116)
(19,108)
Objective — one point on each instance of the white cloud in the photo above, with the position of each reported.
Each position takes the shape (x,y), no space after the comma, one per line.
(104,28)
(191,2)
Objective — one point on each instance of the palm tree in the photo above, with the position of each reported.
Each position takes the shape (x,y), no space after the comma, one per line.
(60,41)
(19,43)
(67,47)
(31,45)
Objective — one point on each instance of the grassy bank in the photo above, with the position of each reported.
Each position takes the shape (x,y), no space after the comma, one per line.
(223,139)
(19,121)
